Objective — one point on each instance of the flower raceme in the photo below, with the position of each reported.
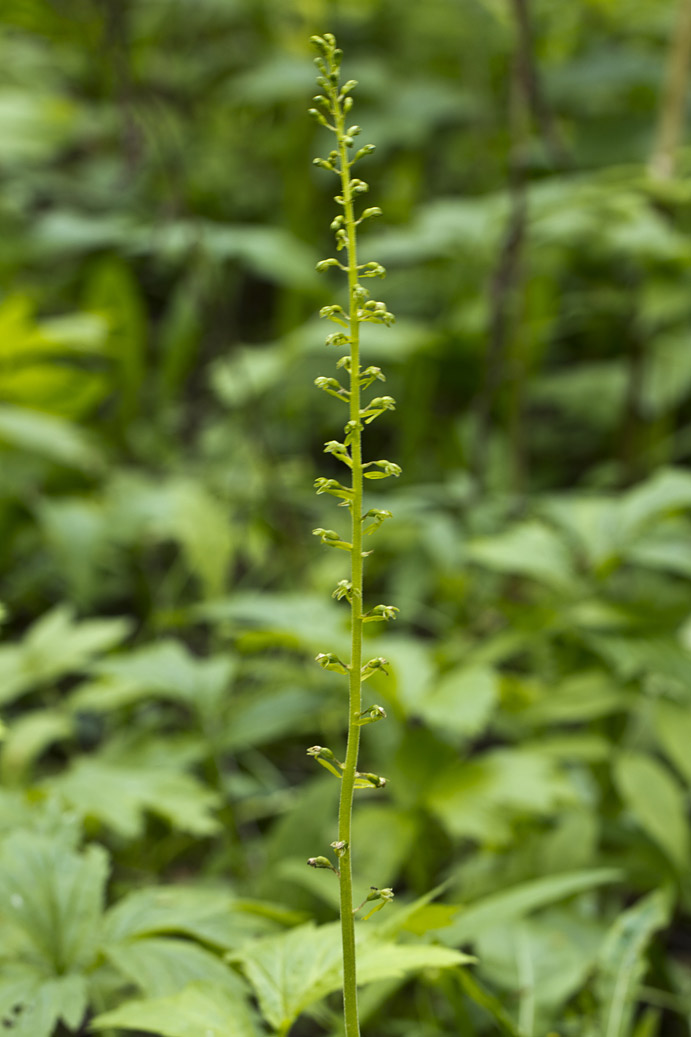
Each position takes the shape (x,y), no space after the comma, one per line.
(332,107)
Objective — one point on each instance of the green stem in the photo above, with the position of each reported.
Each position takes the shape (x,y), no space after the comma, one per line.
(345,812)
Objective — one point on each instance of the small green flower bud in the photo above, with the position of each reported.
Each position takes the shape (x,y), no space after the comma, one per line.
(358,186)
(329,661)
(343,590)
(324,264)
(366,149)
(380,612)
(332,386)
(348,86)
(337,338)
(372,269)
(387,468)
(377,515)
(324,163)
(340,847)
(320,862)
(368,214)
(353,131)
(365,780)
(370,716)
(337,223)
(374,666)
(347,105)
(332,539)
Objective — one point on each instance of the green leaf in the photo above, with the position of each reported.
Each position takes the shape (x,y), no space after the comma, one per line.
(657,802)
(49,437)
(54,646)
(621,961)
(211,916)
(530,549)
(462,701)
(668,491)
(35,1003)
(119,796)
(668,377)
(200,1010)
(51,901)
(161,966)
(673,728)
(29,736)
(518,901)
(292,971)
(479,798)
(169,670)
(487,1001)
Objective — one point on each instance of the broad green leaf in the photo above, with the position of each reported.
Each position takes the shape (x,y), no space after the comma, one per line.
(621,961)
(673,729)
(657,802)
(211,916)
(119,796)
(29,736)
(302,620)
(48,437)
(636,656)
(54,646)
(51,901)
(168,669)
(479,798)
(461,702)
(592,525)
(161,966)
(668,377)
(292,971)
(546,959)
(35,1003)
(667,491)
(667,548)
(518,901)
(530,549)
(200,1010)
(585,695)
(180,509)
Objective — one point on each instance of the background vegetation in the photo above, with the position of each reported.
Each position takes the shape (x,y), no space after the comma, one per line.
(159,435)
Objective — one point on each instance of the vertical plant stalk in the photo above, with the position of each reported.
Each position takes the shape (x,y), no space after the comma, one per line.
(672,107)
(334,105)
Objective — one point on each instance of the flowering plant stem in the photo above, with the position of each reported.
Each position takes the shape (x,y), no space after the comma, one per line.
(345,811)
(335,103)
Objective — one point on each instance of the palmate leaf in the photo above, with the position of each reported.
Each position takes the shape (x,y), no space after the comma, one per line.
(120,795)
(51,899)
(200,1010)
(31,1004)
(292,971)
(213,916)
(161,966)
(55,645)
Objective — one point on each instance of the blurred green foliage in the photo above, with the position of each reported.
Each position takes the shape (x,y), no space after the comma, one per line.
(159,435)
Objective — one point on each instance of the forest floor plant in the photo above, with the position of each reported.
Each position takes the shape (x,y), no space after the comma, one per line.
(333,107)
